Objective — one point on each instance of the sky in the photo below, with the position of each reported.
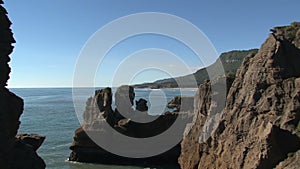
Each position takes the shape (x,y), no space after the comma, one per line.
(52,35)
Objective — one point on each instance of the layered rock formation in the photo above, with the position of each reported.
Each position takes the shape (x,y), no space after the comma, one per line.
(99,112)
(258,127)
(15,152)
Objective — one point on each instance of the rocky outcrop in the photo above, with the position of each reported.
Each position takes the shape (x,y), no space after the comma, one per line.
(258,127)
(15,152)
(141,105)
(175,103)
(34,140)
(190,155)
(125,120)
(292,162)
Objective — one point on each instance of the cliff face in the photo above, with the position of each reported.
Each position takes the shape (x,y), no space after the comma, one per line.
(15,152)
(259,122)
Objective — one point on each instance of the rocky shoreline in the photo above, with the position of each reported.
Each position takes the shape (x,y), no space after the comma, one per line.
(99,112)
(258,127)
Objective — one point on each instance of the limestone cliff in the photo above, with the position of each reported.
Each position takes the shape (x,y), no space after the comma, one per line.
(15,152)
(99,111)
(257,129)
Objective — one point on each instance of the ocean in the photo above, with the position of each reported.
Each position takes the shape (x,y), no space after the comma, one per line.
(50,112)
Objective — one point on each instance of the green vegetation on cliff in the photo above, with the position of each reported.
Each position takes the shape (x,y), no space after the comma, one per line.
(289,32)
(231,61)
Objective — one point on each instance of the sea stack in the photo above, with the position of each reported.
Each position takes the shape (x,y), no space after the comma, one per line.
(17,152)
(259,127)
(99,113)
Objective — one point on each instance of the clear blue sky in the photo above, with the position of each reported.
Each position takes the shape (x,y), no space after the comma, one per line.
(51,34)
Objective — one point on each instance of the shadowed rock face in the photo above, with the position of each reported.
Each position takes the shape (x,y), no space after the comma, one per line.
(180,103)
(16,152)
(292,162)
(98,112)
(141,105)
(261,115)
(34,140)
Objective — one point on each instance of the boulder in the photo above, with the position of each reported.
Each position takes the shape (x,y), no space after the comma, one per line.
(141,105)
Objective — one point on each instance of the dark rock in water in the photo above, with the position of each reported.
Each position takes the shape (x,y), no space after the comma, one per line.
(180,103)
(141,105)
(98,113)
(15,152)
(85,150)
(259,122)
(175,103)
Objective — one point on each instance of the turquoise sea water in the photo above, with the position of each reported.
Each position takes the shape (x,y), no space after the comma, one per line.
(50,112)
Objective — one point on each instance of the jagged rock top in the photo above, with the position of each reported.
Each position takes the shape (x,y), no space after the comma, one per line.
(258,126)
(290,33)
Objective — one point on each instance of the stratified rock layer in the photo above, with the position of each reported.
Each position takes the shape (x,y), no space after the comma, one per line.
(15,152)
(257,129)
(99,112)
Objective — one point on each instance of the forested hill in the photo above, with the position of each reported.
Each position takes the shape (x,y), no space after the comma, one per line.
(231,61)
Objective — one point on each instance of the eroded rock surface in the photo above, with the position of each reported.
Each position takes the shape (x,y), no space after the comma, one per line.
(101,122)
(257,129)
